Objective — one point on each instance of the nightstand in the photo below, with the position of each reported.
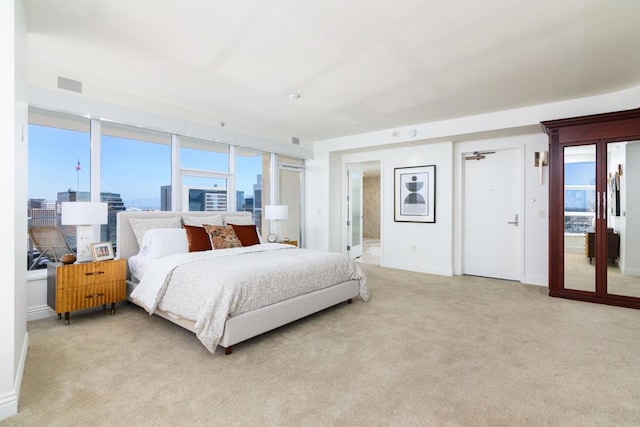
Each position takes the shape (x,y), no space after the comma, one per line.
(78,286)
(290,242)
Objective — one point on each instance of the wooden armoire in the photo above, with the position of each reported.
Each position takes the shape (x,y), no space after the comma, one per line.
(594,194)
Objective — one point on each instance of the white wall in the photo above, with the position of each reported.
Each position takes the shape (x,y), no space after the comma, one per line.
(432,241)
(13,115)
(423,247)
(430,145)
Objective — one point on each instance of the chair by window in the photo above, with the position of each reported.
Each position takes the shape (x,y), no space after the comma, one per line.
(50,242)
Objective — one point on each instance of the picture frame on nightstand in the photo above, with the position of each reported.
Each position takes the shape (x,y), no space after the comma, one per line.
(102,251)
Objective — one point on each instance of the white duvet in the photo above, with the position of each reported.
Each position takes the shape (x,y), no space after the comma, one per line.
(207,287)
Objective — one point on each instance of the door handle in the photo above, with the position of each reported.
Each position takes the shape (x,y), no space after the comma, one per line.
(514,222)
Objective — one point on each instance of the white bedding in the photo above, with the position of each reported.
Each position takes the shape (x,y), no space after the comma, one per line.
(207,287)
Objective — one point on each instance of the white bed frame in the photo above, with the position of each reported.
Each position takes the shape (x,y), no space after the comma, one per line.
(246,325)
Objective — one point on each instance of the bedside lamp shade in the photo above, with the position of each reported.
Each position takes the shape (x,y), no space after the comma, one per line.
(83,215)
(275,213)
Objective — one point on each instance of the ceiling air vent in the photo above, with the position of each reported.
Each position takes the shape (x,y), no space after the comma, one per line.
(68,84)
(295,140)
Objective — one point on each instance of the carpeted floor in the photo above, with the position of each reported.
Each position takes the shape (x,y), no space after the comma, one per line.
(426,350)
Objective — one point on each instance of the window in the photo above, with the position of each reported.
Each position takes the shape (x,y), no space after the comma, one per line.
(252,173)
(135,171)
(58,170)
(203,155)
(204,193)
(136,164)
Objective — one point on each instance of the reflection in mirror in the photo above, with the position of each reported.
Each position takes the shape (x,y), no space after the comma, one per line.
(579,217)
(623,219)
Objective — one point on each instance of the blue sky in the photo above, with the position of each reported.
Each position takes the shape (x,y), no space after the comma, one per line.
(136,170)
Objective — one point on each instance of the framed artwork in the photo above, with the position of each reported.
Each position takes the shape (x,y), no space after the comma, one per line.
(415,194)
(102,251)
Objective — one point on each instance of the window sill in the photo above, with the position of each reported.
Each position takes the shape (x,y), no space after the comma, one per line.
(36,275)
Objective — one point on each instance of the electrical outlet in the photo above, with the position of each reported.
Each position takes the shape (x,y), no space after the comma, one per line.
(413,248)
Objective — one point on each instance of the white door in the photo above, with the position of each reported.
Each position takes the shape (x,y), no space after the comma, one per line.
(492,220)
(354,214)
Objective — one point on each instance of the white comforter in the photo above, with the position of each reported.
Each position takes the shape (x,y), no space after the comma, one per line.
(207,287)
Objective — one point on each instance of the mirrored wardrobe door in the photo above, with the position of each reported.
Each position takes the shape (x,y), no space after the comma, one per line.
(579,217)
(623,219)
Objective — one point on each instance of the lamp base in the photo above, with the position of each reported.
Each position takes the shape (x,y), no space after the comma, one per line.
(275,232)
(84,238)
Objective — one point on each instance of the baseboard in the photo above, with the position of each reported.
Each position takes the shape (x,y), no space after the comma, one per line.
(9,401)
(8,405)
(429,269)
(634,272)
(39,312)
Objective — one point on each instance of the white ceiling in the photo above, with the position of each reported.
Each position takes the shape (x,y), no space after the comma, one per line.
(359,65)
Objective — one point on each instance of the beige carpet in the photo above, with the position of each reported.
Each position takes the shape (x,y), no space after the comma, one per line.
(426,350)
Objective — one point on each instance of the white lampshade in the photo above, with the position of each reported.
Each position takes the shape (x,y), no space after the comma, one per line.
(276,212)
(83,213)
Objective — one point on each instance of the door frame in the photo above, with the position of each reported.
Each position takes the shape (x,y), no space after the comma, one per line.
(519,151)
(462,149)
(283,166)
(346,161)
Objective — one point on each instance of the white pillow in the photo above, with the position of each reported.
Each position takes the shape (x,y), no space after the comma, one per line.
(157,243)
(141,225)
(197,221)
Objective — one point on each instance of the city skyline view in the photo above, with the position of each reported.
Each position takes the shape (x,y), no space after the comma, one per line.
(59,161)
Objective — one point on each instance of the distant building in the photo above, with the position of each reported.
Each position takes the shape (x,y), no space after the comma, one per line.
(165,198)
(207,199)
(42,212)
(239,201)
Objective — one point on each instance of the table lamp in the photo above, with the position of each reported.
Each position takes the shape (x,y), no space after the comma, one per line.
(275,213)
(84,215)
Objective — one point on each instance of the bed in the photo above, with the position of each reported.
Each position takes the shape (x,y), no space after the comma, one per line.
(226,296)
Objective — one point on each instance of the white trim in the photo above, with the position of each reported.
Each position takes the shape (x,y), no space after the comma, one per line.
(8,404)
(176,177)
(633,272)
(38,312)
(9,401)
(421,268)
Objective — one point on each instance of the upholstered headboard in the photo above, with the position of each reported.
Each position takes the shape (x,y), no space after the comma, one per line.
(127,244)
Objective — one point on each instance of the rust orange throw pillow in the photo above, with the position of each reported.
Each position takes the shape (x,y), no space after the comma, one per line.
(247,234)
(197,238)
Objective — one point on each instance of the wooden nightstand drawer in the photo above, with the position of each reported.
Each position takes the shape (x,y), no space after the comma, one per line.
(89,296)
(90,284)
(88,273)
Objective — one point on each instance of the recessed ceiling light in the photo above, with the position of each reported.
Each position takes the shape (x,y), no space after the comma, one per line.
(294,95)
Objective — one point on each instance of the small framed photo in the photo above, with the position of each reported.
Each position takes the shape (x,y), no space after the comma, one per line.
(415,194)
(102,251)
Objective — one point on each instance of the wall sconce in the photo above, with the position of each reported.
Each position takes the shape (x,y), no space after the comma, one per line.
(541,159)
(275,213)
(84,215)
